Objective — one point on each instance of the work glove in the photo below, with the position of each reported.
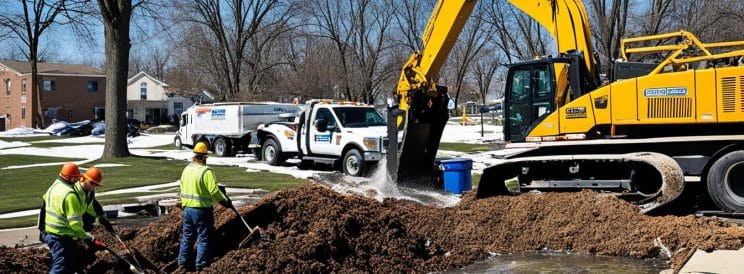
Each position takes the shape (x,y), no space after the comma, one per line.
(226,203)
(106,224)
(90,238)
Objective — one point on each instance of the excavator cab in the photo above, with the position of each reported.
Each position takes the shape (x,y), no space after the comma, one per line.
(529,97)
(535,89)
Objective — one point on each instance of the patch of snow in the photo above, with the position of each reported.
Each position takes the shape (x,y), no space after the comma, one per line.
(4,144)
(22,132)
(471,134)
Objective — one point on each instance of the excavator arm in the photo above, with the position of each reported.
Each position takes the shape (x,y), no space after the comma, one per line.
(568,24)
(422,105)
(422,111)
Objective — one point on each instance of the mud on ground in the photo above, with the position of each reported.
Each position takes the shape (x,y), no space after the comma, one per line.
(314,229)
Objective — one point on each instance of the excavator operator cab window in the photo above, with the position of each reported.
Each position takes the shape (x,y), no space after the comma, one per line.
(529,98)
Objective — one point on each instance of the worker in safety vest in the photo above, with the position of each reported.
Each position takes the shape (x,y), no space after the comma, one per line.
(199,192)
(61,218)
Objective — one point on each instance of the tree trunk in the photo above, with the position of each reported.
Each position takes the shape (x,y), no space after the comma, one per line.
(116,27)
(36,106)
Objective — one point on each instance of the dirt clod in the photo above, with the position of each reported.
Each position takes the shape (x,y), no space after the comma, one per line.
(314,229)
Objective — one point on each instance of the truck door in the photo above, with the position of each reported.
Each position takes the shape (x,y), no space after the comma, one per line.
(185,129)
(322,141)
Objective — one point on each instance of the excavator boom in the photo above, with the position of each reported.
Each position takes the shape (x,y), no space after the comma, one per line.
(421,111)
(568,24)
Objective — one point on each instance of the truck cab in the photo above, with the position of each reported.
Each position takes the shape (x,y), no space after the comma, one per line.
(346,134)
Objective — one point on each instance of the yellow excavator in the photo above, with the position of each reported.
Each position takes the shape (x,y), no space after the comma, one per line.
(647,132)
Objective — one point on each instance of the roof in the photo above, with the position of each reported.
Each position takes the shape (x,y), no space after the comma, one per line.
(144,74)
(51,68)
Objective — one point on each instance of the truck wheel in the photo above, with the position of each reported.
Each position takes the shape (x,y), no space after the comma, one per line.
(222,147)
(353,163)
(177,143)
(726,182)
(272,153)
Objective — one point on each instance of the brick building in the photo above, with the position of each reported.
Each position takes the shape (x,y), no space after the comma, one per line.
(69,92)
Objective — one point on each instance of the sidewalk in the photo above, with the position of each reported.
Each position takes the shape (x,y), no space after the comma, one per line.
(719,261)
(24,236)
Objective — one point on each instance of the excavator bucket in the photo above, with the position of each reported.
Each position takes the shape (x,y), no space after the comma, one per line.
(422,130)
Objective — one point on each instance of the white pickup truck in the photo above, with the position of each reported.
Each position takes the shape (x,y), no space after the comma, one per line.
(350,134)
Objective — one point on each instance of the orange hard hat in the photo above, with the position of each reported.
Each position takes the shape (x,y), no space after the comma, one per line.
(93,175)
(70,172)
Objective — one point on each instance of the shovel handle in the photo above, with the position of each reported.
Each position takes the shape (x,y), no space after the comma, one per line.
(132,267)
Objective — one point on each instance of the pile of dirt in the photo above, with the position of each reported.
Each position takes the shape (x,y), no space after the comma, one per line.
(32,260)
(314,229)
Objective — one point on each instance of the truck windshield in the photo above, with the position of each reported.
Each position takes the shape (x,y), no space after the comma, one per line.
(358,117)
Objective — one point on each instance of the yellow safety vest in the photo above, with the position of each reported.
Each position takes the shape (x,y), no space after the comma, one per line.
(65,205)
(199,187)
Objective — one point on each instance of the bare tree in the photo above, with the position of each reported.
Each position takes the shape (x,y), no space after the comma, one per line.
(116,16)
(227,27)
(484,69)
(264,57)
(473,38)
(410,20)
(359,30)
(655,17)
(333,22)
(516,35)
(608,28)
(27,24)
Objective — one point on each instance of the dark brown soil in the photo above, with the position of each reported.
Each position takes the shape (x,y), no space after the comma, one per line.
(315,230)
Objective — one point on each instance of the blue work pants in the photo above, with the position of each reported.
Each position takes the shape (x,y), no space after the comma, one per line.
(64,253)
(198,224)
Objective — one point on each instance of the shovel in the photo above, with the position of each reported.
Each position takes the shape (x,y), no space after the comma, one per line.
(123,245)
(255,233)
(132,267)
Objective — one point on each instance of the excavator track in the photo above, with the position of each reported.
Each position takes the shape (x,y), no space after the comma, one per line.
(647,179)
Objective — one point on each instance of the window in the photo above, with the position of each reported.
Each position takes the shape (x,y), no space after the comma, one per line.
(177,108)
(92,85)
(143,91)
(7,87)
(51,113)
(48,85)
(99,113)
(325,114)
(23,86)
(23,112)
(358,117)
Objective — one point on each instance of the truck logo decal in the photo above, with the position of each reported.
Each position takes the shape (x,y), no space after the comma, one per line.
(218,114)
(324,138)
(660,92)
(201,110)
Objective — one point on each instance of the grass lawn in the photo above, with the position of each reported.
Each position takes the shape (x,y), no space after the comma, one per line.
(18,222)
(468,148)
(20,160)
(166,146)
(25,186)
(47,145)
(32,138)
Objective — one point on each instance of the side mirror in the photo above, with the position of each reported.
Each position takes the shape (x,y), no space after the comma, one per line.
(321,125)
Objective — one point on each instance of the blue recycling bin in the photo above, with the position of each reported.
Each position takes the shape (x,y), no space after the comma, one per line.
(457,175)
